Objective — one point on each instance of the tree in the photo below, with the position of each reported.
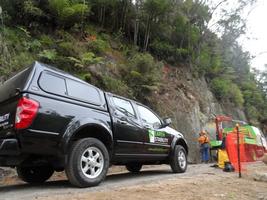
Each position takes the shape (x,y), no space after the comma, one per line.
(67,13)
(154,10)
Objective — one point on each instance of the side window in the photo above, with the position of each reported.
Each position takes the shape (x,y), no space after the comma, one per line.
(124,107)
(83,92)
(52,84)
(147,116)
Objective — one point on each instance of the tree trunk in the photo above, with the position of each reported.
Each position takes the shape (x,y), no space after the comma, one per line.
(147,36)
(100,14)
(104,16)
(147,32)
(124,15)
(147,40)
(136,22)
(136,31)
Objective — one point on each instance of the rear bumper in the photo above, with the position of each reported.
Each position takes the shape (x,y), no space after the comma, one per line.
(9,147)
(10,153)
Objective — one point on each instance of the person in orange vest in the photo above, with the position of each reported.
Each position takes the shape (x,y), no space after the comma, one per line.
(204,142)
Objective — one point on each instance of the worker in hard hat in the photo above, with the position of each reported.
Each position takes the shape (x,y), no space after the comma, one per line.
(204,142)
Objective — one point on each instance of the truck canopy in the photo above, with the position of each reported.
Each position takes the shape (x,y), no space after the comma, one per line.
(15,84)
(45,80)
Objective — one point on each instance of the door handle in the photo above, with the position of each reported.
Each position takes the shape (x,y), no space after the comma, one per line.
(122,120)
(146,126)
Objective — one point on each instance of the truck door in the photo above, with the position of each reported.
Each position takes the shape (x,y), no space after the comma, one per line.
(156,140)
(126,128)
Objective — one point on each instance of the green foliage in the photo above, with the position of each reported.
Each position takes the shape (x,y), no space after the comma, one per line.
(89,58)
(163,50)
(255,101)
(63,35)
(174,31)
(16,49)
(252,114)
(24,31)
(226,90)
(85,59)
(10,10)
(48,55)
(87,77)
(142,75)
(67,12)
(46,41)
(220,87)
(30,8)
(35,45)
(15,64)
(235,95)
(98,46)
(156,7)
(74,61)
(117,86)
(67,49)
(143,63)
(22,59)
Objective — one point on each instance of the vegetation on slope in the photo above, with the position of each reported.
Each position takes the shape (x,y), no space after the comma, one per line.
(78,34)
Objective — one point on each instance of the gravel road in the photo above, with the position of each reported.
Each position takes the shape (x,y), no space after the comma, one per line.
(156,182)
(113,180)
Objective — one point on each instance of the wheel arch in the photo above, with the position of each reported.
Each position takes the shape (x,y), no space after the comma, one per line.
(180,141)
(94,130)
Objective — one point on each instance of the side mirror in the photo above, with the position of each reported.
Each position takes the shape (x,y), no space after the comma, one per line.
(166,122)
(157,125)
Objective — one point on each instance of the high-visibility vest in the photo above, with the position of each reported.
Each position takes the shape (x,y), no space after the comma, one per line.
(203,139)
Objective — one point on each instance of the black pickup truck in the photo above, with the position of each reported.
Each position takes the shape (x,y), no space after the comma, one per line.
(52,121)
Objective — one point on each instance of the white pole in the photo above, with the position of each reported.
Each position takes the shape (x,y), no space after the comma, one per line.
(1,11)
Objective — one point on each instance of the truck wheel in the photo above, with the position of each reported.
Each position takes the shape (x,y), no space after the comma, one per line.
(35,174)
(88,163)
(134,167)
(178,160)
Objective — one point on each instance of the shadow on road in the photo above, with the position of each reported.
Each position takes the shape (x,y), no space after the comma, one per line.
(64,184)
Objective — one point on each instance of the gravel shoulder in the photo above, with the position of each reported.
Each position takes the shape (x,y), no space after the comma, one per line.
(199,182)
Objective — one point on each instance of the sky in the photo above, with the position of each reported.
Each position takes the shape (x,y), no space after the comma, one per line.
(255,40)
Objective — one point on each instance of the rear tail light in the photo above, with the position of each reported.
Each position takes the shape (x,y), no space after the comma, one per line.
(26,112)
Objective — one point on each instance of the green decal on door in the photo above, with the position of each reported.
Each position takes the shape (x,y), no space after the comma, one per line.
(151,134)
(157,136)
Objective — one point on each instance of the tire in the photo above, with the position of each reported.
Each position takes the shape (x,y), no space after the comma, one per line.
(88,163)
(134,167)
(178,160)
(35,174)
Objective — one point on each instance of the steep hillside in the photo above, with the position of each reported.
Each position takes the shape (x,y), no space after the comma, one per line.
(191,104)
(113,66)
(186,99)
(159,52)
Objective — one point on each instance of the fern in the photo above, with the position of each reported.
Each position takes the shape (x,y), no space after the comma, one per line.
(76,62)
(68,13)
(30,8)
(50,54)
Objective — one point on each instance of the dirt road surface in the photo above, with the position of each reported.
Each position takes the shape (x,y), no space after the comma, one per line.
(199,182)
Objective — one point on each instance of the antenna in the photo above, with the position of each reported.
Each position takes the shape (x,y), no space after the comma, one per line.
(1,15)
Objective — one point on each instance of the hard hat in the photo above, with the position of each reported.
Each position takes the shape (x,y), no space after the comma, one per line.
(203,132)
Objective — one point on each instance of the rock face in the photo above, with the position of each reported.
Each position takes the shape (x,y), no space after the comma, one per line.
(192,106)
